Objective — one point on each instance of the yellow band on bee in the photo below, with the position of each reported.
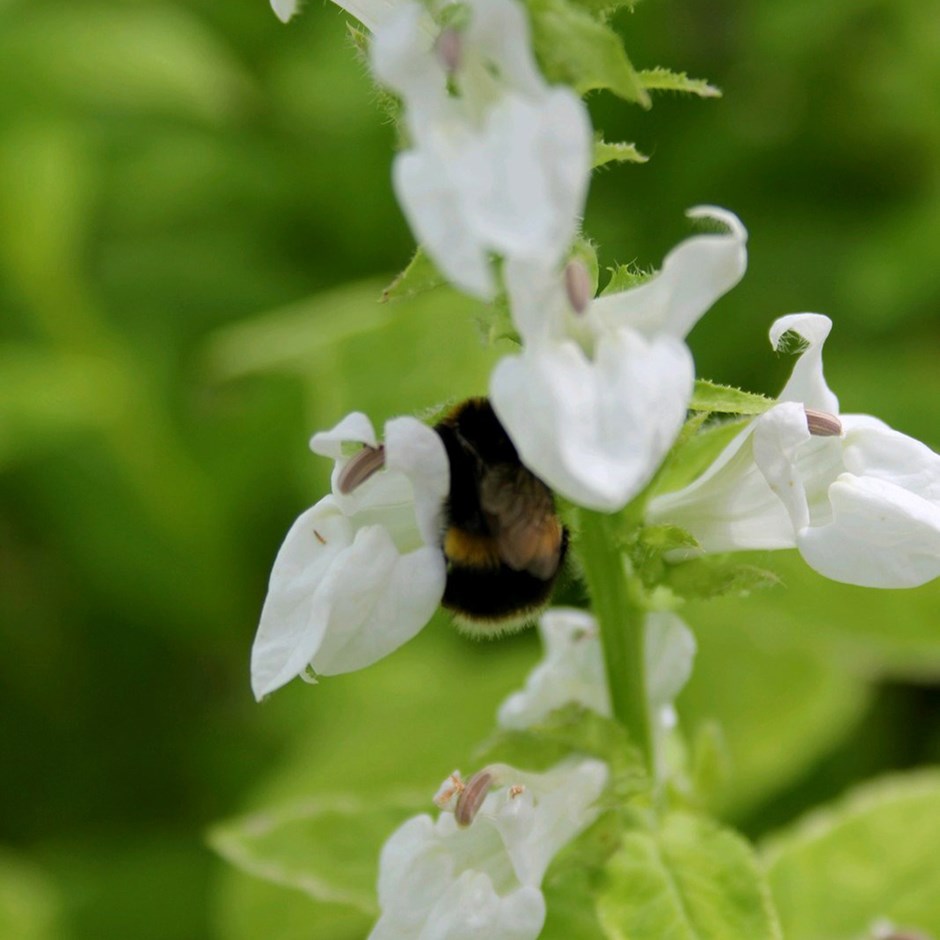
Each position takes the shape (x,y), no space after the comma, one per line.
(469,550)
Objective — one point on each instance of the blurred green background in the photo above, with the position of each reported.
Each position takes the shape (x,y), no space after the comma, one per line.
(195,224)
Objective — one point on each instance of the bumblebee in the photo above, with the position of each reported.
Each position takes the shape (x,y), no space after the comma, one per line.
(502,538)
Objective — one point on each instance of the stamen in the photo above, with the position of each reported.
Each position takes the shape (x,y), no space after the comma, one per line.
(578,285)
(823,424)
(449,791)
(471,797)
(367,462)
(449,49)
(517,789)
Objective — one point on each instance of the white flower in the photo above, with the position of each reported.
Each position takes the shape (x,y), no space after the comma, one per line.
(441,881)
(862,507)
(359,573)
(596,398)
(370,13)
(572,670)
(502,165)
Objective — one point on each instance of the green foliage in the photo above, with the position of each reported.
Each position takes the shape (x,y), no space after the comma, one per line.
(688,879)
(419,276)
(606,152)
(567,730)
(869,858)
(623,277)
(327,848)
(660,79)
(711,397)
(576,49)
(716,577)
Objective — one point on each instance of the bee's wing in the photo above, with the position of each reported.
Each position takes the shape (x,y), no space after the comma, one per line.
(519,509)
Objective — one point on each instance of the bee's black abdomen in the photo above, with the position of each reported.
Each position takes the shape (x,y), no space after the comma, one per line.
(494,593)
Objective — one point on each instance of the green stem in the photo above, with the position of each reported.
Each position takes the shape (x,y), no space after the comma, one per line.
(622,625)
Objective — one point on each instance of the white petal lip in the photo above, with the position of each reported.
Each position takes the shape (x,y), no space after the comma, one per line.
(693,276)
(806,383)
(595,431)
(882,536)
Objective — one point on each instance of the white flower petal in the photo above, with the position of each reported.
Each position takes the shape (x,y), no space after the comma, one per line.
(778,436)
(554,807)
(572,670)
(293,621)
(730,506)
(415,450)
(285,9)
(693,276)
(670,651)
(373,14)
(881,535)
(378,600)
(355,428)
(595,431)
(807,383)
(501,29)
(873,449)
(471,909)
(425,190)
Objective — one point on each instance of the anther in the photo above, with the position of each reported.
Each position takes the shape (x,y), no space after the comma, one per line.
(823,424)
(517,789)
(472,796)
(578,285)
(360,467)
(449,48)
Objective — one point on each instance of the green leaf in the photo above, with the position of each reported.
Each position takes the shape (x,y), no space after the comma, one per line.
(567,730)
(576,49)
(753,654)
(709,396)
(617,152)
(660,79)
(870,857)
(687,880)
(710,577)
(327,848)
(419,276)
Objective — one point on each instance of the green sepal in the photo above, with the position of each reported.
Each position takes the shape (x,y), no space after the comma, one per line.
(660,79)
(571,729)
(696,448)
(623,277)
(604,9)
(725,399)
(616,152)
(576,49)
